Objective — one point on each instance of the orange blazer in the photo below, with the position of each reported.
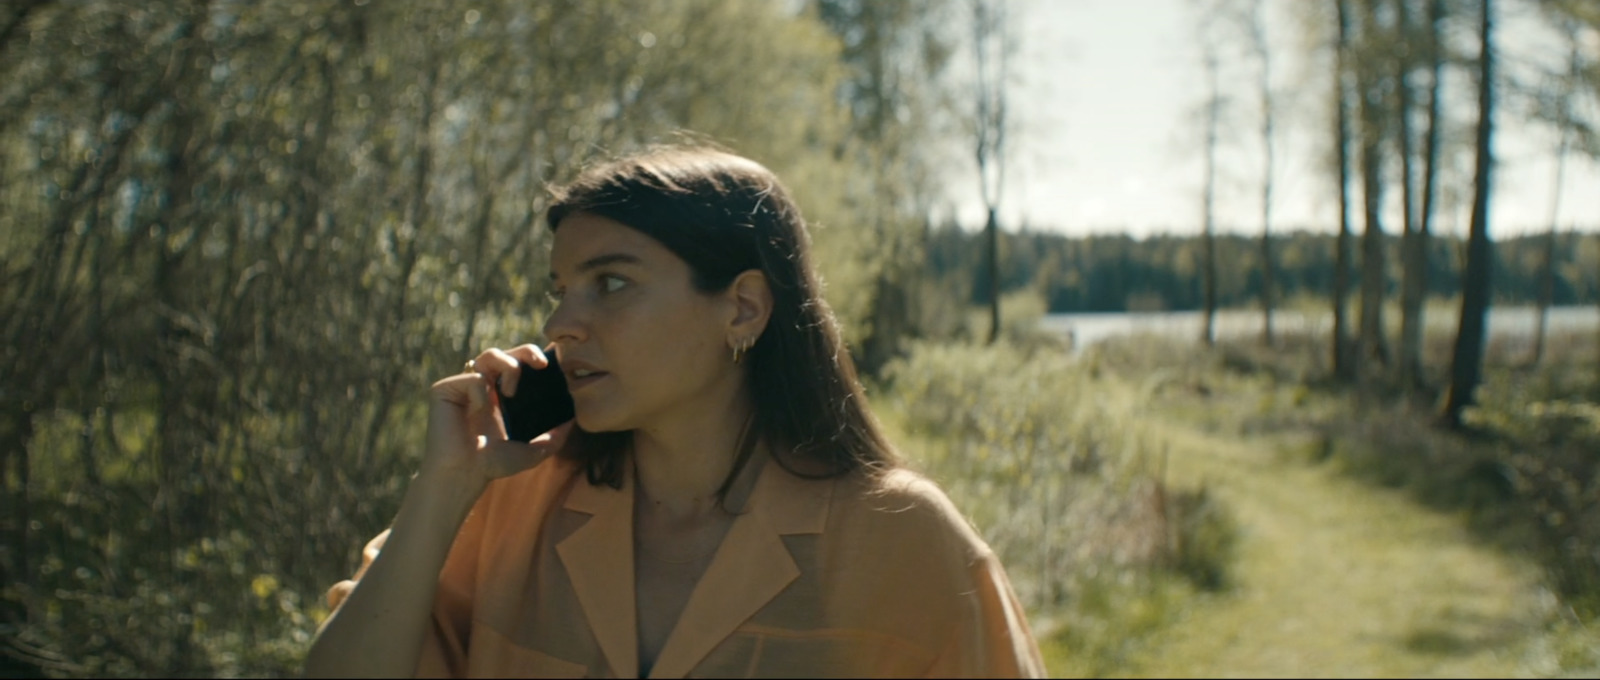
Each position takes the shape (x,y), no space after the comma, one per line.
(834,578)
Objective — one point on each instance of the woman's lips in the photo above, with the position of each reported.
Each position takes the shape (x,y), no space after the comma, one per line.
(580,375)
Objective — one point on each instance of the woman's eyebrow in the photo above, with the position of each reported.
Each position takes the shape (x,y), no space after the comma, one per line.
(602,260)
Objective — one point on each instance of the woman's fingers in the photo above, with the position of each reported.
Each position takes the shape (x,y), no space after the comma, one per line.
(527,354)
(465,434)
(483,417)
(496,367)
(504,458)
(501,368)
(455,389)
(464,427)
(467,395)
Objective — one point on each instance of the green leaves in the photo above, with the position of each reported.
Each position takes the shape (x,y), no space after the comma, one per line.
(1024,441)
(238,240)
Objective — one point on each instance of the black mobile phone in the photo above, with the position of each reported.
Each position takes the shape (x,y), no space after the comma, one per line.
(541,403)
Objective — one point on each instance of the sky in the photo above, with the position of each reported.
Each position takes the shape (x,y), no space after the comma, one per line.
(1109,138)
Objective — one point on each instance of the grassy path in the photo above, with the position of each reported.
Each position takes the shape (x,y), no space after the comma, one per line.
(1338,578)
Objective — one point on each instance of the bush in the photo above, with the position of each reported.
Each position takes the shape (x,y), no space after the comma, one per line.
(1206,539)
(1546,432)
(1065,486)
(1019,441)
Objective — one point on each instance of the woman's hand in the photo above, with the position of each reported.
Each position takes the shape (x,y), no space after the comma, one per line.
(379,628)
(466,440)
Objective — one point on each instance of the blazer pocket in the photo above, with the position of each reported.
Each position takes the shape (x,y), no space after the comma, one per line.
(836,653)
(495,656)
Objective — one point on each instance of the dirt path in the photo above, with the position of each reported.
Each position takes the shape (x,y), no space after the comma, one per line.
(1338,578)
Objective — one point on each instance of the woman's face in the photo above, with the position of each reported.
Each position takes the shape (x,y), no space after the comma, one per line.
(637,341)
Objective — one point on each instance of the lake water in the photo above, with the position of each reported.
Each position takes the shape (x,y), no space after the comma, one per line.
(1510,325)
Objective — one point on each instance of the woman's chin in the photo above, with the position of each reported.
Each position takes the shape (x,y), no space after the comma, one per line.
(595,422)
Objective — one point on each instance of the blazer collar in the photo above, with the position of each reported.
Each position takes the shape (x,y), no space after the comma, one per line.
(749,569)
(599,562)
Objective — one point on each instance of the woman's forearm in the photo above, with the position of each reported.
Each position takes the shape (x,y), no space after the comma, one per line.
(379,630)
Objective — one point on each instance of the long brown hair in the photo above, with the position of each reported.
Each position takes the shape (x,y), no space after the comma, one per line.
(724,215)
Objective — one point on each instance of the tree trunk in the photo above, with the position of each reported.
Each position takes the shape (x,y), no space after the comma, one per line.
(1410,331)
(1466,364)
(1343,362)
(416,216)
(1372,271)
(992,231)
(1208,244)
(17,437)
(482,231)
(1372,265)
(1547,275)
(992,45)
(1266,274)
(1270,162)
(1416,258)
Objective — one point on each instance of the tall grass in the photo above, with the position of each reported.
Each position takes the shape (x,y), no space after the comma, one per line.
(1066,487)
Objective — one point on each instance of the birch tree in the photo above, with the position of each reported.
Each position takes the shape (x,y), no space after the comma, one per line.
(993,46)
(1262,51)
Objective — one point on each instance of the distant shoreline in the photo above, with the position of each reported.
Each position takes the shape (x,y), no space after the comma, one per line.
(1514,324)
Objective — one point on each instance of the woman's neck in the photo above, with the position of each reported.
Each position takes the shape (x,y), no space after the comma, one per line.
(682,462)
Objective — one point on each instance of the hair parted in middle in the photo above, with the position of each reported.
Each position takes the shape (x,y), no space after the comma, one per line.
(724,214)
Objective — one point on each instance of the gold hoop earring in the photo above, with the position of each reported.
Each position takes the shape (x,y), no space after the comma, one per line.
(741,348)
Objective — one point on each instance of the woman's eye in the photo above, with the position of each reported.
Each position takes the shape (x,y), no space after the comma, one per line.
(612,284)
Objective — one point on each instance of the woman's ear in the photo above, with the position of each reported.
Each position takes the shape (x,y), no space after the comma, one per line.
(752,305)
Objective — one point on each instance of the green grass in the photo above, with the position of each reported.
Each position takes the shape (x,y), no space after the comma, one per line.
(1333,530)
(1066,487)
(1366,547)
(1161,510)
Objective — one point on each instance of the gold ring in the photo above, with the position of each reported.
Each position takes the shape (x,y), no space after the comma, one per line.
(470,367)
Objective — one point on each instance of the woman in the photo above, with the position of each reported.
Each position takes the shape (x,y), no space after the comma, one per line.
(723,505)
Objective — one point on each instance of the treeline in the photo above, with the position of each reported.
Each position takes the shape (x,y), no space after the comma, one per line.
(1116,272)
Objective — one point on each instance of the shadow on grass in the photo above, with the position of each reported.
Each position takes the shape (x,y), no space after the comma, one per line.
(1436,642)
(1463,634)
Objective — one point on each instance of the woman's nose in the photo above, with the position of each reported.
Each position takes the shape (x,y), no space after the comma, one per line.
(564,323)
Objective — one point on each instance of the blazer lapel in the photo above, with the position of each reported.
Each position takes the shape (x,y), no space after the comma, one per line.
(750,568)
(599,561)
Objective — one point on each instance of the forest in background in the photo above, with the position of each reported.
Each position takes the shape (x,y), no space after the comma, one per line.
(239,239)
(1119,273)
